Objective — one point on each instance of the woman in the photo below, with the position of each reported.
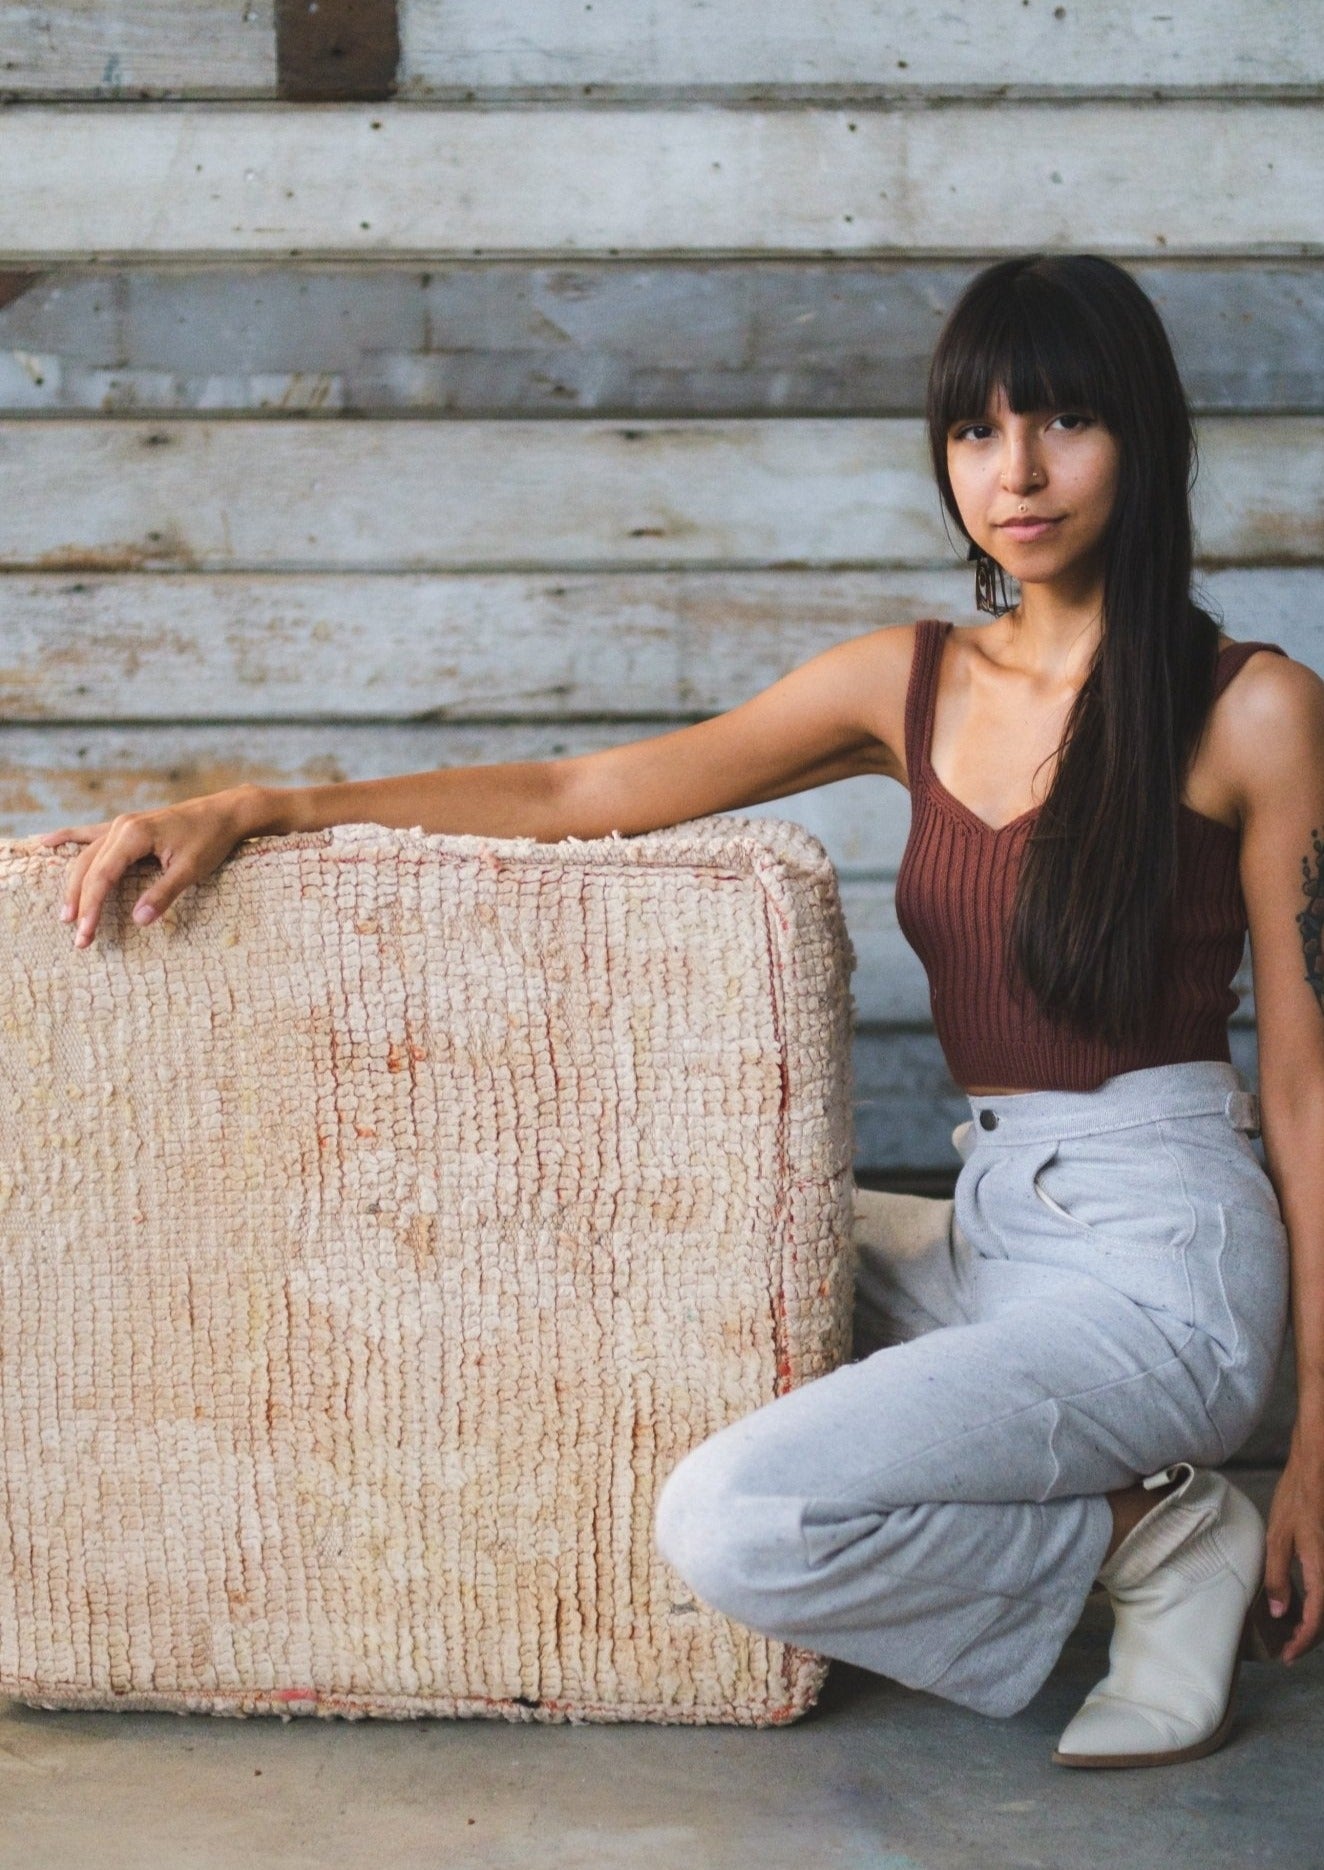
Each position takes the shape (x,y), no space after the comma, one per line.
(1098,1326)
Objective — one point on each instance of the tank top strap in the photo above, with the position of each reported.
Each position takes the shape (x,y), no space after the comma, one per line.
(1232,656)
(921,694)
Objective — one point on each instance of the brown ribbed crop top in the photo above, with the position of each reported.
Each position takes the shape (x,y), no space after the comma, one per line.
(954,894)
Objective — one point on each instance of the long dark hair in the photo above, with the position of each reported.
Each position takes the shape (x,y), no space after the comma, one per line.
(1091,926)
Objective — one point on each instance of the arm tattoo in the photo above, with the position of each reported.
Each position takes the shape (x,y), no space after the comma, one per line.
(1310,920)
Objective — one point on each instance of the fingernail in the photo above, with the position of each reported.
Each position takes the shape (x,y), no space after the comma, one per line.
(144,912)
(1277,1605)
(66,912)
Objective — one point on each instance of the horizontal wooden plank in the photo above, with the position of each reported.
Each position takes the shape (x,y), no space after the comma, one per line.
(616,338)
(466,48)
(232,494)
(658,645)
(650,646)
(266,181)
(238,494)
(852,45)
(137,48)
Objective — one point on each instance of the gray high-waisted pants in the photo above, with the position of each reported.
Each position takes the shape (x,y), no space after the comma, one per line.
(1106,1294)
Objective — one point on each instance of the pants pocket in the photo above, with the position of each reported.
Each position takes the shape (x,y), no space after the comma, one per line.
(1124,1191)
(1055,1207)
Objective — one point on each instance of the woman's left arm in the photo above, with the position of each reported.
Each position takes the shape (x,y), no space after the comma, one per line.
(1275,742)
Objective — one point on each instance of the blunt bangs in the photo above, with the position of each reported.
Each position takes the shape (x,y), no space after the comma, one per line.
(1024,334)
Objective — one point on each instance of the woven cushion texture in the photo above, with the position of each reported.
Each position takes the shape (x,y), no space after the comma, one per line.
(377,1231)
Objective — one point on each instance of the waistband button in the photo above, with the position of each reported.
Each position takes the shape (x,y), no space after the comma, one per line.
(988,1119)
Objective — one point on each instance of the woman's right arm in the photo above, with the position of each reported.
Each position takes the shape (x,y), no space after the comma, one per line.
(836,716)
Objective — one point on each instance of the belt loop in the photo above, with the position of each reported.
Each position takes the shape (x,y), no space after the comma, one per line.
(1243,1111)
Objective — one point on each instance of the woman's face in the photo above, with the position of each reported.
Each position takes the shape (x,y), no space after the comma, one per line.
(1060,463)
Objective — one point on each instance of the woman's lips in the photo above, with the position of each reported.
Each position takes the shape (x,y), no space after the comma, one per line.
(1028,529)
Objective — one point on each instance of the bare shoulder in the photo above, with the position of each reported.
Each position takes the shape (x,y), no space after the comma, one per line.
(1270,690)
(890,646)
(885,657)
(1268,725)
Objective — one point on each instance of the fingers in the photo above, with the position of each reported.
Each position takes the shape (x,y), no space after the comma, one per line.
(1295,1540)
(1278,1572)
(154,902)
(98,868)
(188,839)
(1307,1632)
(71,834)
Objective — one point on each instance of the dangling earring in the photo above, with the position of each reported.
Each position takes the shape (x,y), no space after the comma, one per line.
(988,573)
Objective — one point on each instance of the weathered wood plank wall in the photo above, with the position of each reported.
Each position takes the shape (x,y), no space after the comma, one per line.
(471,495)
(954,177)
(565,387)
(1011,47)
(624,338)
(479,48)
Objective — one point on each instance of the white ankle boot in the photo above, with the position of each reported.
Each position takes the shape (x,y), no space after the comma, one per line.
(1185,1587)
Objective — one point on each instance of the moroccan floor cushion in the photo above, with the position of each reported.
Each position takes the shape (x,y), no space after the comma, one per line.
(377,1231)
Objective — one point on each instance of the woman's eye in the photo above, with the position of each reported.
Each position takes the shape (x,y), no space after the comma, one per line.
(1072,415)
(966,428)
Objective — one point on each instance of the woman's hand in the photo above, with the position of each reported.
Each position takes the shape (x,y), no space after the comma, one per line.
(190,840)
(1296,1525)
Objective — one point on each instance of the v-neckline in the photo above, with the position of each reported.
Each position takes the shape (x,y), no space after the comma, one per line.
(958,805)
(981,824)
(973,818)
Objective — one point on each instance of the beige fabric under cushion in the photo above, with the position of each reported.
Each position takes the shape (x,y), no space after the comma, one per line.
(377,1231)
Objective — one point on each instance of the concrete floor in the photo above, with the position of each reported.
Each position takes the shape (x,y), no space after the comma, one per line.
(876,1777)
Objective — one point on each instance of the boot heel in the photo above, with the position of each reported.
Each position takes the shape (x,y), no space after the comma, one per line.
(1263,1635)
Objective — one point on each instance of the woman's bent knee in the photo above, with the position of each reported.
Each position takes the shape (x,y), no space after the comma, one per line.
(692,1509)
(741,1552)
